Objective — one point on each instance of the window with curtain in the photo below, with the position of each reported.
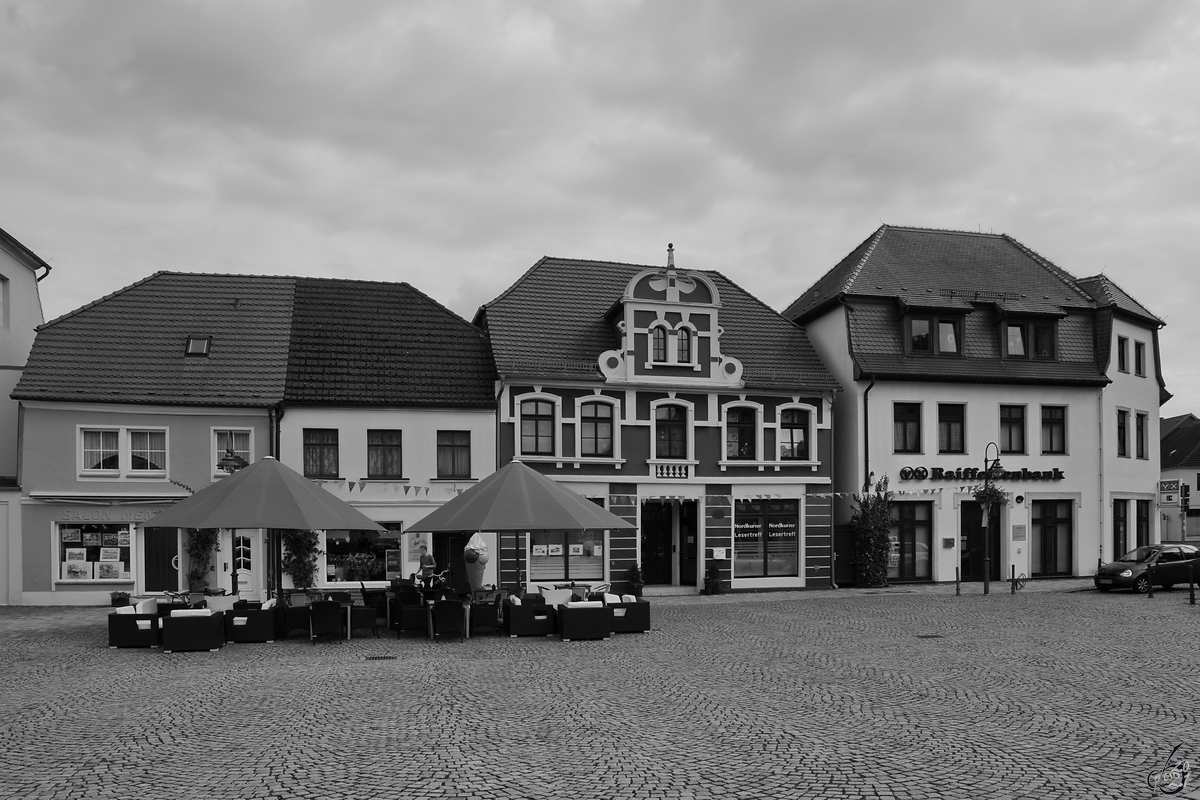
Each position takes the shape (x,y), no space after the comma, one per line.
(148,451)
(236,442)
(740,434)
(321,453)
(454,454)
(384,454)
(906,426)
(1054,430)
(793,434)
(1012,429)
(950,428)
(101,450)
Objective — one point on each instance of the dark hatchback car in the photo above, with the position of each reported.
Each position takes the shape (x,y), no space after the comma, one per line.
(1169,563)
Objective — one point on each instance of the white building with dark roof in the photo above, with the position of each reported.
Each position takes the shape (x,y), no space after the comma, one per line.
(948,343)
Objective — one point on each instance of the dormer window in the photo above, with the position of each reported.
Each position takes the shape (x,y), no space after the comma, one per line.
(198,345)
(934,336)
(1029,340)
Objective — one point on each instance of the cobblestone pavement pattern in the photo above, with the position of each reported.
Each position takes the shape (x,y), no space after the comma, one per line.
(1056,692)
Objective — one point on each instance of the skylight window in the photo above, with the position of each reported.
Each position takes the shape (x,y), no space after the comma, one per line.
(198,345)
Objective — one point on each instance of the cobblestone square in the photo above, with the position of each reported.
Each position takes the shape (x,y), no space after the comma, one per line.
(1056,692)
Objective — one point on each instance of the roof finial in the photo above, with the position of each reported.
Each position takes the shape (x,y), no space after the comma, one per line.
(670,256)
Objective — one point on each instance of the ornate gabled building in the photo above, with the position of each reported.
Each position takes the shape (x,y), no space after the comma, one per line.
(678,401)
(955,348)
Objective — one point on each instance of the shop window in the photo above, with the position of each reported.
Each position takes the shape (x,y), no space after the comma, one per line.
(741,433)
(454,454)
(1139,359)
(385,454)
(1051,540)
(1120,517)
(766,540)
(355,556)
(683,339)
(950,428)
(1029,340)
(670,432)
(1122,354)
(1054,430)
(1139,434)
(1012,429)
(101,450)
(596,430)
(147,451)
(321,453)
(793,434)
(1142,522)
(94,552)
(234,443)
(934,336)
(906,427)
(658,339)
(566,556)
(1122,433)
(537,428)
(911,533)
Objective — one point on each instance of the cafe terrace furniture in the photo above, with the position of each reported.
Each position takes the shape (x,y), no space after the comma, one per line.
(325,618)
(487,611)
(364,618)
(587,619)
(295,615)
(406,598)
(528,619)
(260,624)
(450,618)
(631,616)
(193,629)
(135,626)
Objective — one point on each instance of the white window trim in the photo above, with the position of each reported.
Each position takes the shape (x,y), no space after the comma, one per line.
(1025,449)
(672,337)
(214,455)
(124,469)
(615,403)
(814,457)
(1139,346)
(556,401)
(1129,423)
(690,409)
(1066,430)
(758,461)
(1123,348)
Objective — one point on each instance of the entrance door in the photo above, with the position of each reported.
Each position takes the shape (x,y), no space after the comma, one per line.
(246,549)
(162,559)
(656,542)
(688,536)
(971,532)
(448,551)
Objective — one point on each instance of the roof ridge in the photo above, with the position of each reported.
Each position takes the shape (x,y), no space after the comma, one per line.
(1054,269)
(954,231)
(836,265)
(753,297)
(862,262)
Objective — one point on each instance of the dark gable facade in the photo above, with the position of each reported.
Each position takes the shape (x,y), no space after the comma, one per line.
(678,401)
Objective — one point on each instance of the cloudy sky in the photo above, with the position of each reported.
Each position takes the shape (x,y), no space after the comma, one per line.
(451,145)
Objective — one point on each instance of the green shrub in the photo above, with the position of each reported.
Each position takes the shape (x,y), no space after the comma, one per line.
(872,521)
(300,553)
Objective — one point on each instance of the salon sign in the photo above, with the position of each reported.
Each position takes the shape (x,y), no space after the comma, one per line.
(976,474)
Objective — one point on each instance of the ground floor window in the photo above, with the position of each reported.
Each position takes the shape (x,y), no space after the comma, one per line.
(359,555)
(1143,522)
(566,556)
(912,538)
(94,552)
(1050,548)
(766,538)
(1120,531)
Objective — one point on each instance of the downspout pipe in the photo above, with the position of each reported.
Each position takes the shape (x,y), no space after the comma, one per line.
(832,499)
(867,435)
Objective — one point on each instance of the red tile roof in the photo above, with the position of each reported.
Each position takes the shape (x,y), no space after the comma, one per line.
(552,323)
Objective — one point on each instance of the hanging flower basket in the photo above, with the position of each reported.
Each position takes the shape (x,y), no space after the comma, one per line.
(990,495)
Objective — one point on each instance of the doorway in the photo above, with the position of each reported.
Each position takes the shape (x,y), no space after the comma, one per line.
(162,559)
(971,533)
(448,552)
(657,534)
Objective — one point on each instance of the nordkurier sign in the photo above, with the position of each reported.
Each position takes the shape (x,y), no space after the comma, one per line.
(975,474)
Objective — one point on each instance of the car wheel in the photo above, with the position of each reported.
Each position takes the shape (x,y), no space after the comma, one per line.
(1142,584)
(1104,588)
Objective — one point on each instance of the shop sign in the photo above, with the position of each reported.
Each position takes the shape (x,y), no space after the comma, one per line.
(106,515)
(976,474)
(1168,493)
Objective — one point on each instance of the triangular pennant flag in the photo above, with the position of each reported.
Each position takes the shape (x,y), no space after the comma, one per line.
(352,487)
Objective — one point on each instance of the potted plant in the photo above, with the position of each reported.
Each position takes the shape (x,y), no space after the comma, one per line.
(201,544)
(988,495)
(119,598)
(300,553)
(635,579)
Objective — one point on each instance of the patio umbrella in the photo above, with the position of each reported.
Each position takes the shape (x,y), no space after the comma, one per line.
(518,498)
(265,494)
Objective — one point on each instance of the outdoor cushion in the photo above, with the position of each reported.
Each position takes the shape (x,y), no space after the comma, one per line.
(221,602)
(556,596)
(240,620)
(585,604)
(126,610)
(516,601)
(148,606)
(610,598)
(269,604)
(192,612)
(145,624)
(628,598)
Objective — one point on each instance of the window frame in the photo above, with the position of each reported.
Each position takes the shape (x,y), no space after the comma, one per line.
(962,428)
(1005,440)
(664,341)
(218,452)
(1139,359)
(1029,337)
(322,449)
(935,322)
(157,472)
(689,428)
(384,448)
(198,346)
(554,418)
(1123,354)
(81,437)
(1051,425)
(755,427)
(1141,431)
(123,453)
(809,428)
(614,421)
(659,348)
(896,421)
(454,449)
(1122,433)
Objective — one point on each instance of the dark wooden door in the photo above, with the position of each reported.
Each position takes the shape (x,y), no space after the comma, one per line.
(162,559)
(971,530)
(448,550)
(656,542)
(688,537)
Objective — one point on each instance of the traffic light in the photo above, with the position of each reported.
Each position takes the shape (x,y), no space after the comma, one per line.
(1184,497)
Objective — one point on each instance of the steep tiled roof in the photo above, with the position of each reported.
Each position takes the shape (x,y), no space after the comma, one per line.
(908,262)
(552,322)
(1180,442)
(360,342)
(1106,293)
(128,347)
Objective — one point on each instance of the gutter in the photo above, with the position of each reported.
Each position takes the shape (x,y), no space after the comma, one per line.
(867,435)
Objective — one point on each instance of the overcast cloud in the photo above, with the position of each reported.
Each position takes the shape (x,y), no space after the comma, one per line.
(451,145)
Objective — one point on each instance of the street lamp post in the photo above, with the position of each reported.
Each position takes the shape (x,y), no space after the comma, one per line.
(231,463)
(990,468)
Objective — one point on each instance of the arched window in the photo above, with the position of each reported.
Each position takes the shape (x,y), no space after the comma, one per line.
(537,428)
(670,425)
(684,339)
(740,434)
(596,429)
(658,337)
(793,434)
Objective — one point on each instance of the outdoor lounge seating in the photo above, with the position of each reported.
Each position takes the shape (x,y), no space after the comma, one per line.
(193,629)
(589,619)
(253,624)
(449,618)
(364,618)
(532,619)
(630,617)
(135,626)
(325,618)
(294,616)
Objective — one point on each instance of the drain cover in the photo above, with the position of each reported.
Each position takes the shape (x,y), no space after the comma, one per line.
(930,636)
(381,658)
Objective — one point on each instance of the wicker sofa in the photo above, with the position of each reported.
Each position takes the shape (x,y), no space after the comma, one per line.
(630,616)
(528,619)
(263,624)
(193,629)
(589,619)
(135,626)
